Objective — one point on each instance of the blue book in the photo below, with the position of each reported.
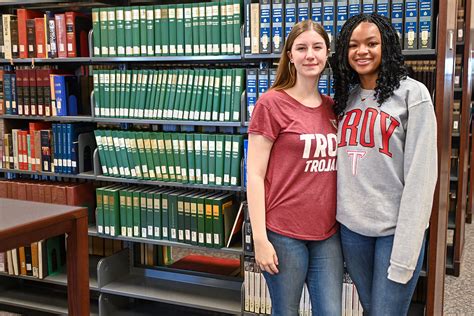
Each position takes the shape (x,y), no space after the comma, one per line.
(397,17)
(354,7)
(323,84)
(290,16)
(263,81)
(411,25)
(54,128)
(342,12)
(332,92)
(368,6)
(425,37)
(7,90)
(65,133)
(66,94)
(251,76)
(317,10)
(329,8)
(272,76)
(265,27)
(383,8)
(303,10)
(246,149)
(14,95)
(277,26)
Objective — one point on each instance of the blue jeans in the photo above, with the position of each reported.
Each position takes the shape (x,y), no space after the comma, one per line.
(318,263)
(367,261)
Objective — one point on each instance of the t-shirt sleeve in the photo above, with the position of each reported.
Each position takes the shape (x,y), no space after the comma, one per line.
(264,122)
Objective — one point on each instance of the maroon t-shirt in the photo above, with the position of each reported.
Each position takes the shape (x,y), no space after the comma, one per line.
(300,183)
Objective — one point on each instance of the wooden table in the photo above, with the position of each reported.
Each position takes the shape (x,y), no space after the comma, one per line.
(24,222)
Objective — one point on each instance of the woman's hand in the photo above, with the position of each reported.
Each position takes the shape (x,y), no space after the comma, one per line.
(266,257)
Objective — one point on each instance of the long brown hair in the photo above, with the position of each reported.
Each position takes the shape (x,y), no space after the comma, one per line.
(286,72)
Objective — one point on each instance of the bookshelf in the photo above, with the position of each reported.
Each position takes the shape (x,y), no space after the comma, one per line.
(124,282)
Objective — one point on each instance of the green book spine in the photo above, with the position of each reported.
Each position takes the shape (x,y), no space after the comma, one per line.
(197,156)
(202,29)
(106,93)
(176,156)
(216,30)
(149,156)
(183,161)
(219,159)
(185,92)
(216,96)
(162,91)
(172,28)
(212,159)
(96,31)
(157,30)
(118,110)
(187,218)
(230,27)
(223,94)
(180,29)
(163,157)
(150,93)
(173,215)
(194,110)
(136,155)
(143,91)
(136,213)
(181,217)
(237,93)
(112,92)
(205,95)
(143,30)
(236,26)
(114,212)
(157,215)
(127,93)
(149,214)
(100,97)
(195,26)
(129,198)
(150,31)
(112,153)
(179,94)
(164,216)
(123,212)
(156,94)
(99,211)
(136,31)
(171,96)
(228,95)
(130,156)
(120,27)
(112,32)
(205,158)
(227,158)
(193,220)
(208,28)
(127,12)
(169,156)
(104,36)
(155,156)
(143,214)
(210,95)
(165,36)
(122,87)
(237,141)
(116,142)
(188,29)
(188,94)
(123,153)
(142,154)
(223,26)
(134,88)
(105,203)
(96,81)
(190,158)
(201,220)
(102,154)
(208,222)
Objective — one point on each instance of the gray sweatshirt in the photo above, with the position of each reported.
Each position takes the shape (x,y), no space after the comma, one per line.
(387,170)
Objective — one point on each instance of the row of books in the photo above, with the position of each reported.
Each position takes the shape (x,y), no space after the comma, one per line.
(185,94)
(44,147)
(211,159)
(259,80)
(39,259)
(257,298)
(267,23)
(44,92)
(423,71)
(193,217)
(36,34)
(206,28)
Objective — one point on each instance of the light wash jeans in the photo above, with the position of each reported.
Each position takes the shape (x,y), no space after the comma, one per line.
(367,261)
(318,263)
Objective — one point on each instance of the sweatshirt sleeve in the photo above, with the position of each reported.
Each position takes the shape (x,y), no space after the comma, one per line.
(420,175)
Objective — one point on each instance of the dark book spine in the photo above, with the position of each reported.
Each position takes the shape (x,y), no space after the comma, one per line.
(46,150)
(14,95)
(26,92)
(28,261)
(51,35)
(39,92)
(20,94)
(14,37)
(31,38)
(2,46)
(33,92)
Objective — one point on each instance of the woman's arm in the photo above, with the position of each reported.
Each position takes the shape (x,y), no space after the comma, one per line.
(258,155)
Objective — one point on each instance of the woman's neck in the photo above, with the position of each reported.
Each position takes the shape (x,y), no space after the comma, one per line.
(305,89)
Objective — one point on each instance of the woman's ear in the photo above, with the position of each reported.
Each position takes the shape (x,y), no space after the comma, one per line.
(288,53)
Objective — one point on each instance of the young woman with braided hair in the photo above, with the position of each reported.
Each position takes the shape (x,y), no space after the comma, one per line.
(386,165)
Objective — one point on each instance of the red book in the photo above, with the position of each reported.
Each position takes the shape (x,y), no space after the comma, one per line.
(22,16)
(213,265)
(60,20)
(33,93)
(22,190)
(41,51)
(77,28)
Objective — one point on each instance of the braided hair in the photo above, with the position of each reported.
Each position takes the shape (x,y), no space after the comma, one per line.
(392,68)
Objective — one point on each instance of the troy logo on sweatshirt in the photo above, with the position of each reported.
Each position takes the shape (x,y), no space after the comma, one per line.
(360,128)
